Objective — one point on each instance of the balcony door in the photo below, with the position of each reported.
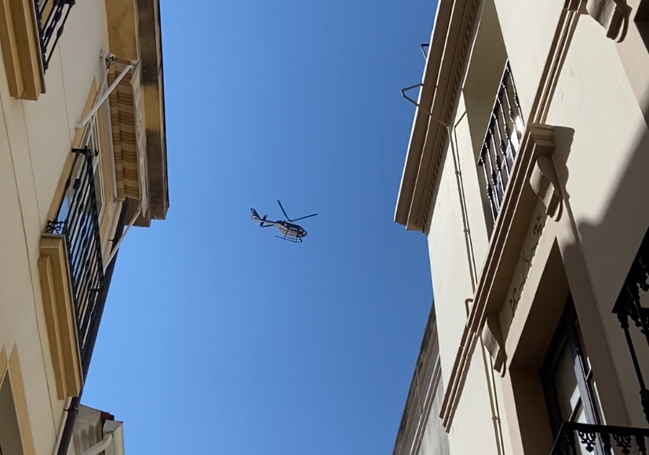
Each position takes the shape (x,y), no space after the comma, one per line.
(567,377)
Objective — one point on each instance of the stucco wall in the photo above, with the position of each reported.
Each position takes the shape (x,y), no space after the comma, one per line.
(473,428)
(602,158)
(449,266)
(528,29)
(450,259)
(50,122)
(21,313)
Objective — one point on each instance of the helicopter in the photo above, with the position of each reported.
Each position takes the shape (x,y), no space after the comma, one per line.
(291,232)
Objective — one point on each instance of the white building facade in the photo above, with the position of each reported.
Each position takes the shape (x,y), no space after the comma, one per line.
(527,171)
(82,160)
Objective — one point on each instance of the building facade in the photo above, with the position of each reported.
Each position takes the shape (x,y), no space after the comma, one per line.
(97,432)
(82,160)
(527,171)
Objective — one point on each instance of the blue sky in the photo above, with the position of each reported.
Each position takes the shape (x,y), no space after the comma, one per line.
(219,338)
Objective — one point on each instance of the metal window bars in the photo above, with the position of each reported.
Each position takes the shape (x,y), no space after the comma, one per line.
(502,141)
(78,221)
(51,16)
(580,438)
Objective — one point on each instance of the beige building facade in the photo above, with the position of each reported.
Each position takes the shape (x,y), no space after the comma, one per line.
(82,160)
(527,171)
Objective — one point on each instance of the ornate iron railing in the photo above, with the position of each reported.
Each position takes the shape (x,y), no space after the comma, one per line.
(78,221)
(578,438)
(501,142)
(628,307)
(51,16)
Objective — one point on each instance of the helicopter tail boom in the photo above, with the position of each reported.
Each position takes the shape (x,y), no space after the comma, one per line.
(254,216)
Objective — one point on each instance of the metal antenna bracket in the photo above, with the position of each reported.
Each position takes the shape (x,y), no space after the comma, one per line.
(403,93)
(425,52)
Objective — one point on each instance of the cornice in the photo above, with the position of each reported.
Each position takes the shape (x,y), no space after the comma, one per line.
(445,67)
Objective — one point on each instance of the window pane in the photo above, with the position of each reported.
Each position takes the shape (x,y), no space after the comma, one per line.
(565,383)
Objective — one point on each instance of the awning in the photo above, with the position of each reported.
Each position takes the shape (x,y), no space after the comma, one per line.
(124,119)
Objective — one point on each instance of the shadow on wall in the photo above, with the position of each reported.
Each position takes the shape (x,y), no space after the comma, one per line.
(609,249)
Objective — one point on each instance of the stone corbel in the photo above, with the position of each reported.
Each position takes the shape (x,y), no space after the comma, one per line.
(544,180)
(613,15)
(492,338)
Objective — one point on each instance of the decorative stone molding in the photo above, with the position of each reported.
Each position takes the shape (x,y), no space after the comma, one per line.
(613,15)
(59,316)
(493,340)
(455,24)
(507,241)
(21,49)
(544,179)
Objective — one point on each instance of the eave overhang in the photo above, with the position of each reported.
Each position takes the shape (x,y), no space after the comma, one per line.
(135,34)
(443,75)
(150,42)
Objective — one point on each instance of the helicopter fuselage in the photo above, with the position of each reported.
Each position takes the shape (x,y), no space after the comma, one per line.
(290,230)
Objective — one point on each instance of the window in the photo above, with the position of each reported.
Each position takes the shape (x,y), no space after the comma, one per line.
(10,442)
(91,140)
(567,377)
(501,142)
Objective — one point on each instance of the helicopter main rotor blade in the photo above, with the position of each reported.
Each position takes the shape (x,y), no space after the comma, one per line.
(303,217)
(283,211)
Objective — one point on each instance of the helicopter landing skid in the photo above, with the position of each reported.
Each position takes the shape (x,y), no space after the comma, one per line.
(290,239)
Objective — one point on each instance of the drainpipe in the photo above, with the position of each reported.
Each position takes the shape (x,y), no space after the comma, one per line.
(73,408)
(488,363)
(100,446)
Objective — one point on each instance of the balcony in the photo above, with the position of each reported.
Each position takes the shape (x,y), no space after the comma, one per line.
(72,275)
(51,16)
(580,438)
(502,142)
(628,309)
(29,33)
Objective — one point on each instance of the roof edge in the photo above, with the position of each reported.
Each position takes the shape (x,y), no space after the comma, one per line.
(448,55)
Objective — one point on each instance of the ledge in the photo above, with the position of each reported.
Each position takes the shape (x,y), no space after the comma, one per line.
(59,315)
(21,49)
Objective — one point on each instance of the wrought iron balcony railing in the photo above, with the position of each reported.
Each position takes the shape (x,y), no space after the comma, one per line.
(78,221)
(51,16)
(580,438)
(628,306)
(501,142)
